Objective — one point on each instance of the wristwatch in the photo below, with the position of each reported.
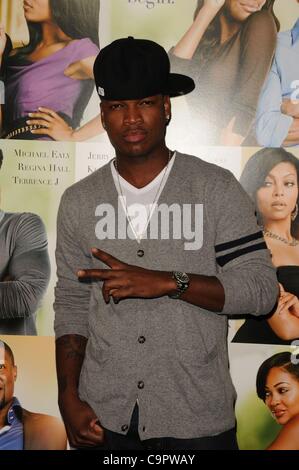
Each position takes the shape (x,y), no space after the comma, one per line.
(182,282)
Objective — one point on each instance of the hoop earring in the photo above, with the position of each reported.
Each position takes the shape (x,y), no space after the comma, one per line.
(294,213)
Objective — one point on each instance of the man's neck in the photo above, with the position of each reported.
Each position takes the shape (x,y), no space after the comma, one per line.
(140,171)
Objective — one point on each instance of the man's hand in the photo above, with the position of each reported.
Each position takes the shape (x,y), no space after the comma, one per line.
(82,425)
(124,281)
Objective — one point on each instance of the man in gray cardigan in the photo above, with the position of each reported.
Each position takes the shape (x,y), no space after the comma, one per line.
(154,251)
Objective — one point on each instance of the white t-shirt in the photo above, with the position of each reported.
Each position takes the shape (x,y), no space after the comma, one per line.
(139,203)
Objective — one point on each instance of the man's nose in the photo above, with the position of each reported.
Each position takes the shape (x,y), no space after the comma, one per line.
(132,115)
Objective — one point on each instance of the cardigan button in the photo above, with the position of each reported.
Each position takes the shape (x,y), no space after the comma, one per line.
(140,253)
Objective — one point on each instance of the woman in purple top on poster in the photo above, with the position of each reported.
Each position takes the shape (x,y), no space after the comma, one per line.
(49,81)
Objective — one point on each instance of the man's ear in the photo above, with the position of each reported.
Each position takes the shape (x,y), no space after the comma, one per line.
(15,373)
(167,109)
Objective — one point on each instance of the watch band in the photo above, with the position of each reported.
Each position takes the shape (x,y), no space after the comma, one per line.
(182,282)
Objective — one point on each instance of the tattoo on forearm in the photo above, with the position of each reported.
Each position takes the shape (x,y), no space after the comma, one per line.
(70,352)
(73,345)
(74,355)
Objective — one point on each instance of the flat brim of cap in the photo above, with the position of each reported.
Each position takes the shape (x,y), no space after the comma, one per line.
(179,85)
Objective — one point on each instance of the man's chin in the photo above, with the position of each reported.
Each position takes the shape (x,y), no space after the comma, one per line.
(137,153)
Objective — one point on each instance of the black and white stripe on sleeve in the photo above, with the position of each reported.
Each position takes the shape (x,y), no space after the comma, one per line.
(226,252)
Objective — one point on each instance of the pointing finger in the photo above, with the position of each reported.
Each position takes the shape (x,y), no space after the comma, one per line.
(108,259)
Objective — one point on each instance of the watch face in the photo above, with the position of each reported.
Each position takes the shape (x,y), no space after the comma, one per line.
(182,277)
(182,281)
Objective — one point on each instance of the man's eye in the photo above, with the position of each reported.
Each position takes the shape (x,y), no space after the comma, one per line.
(115,106)
(146,103)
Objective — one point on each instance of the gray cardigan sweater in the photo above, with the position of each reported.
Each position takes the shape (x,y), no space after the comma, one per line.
(24,271)
(182,360)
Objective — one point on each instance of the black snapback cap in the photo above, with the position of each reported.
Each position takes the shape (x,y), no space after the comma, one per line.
(130,68)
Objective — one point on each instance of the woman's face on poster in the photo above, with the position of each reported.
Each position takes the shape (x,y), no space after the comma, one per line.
(282,395)
(240,10)
(37,11)
(277,198)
